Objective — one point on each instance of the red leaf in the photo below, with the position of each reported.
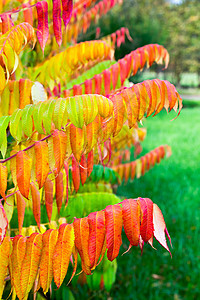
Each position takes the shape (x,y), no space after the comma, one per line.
(128,35)
(90,162)
(57,22)
(75,174)
(98,32)
(28,13)
(77,90)
(98,83)
(3,223)
(67,6)
(97,236)
(48,189)
(113,215)
(113,37)
(67,181)
(21,204)
(146,228)
(83,169)
(43,27)
(115,75)
(123,67)
(107,81)
(59,190)
(7,22)
(88,86)
(131,220)
(36,203)
(81,230)
(118,33)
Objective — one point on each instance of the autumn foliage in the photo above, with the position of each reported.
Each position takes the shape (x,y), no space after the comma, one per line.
(67,124)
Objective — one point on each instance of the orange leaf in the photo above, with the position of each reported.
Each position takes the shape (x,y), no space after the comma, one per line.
(62,253)
(133,169)
(132,106)
(119,110)
(17,258)
(48,189)
(60,148)
(92,130)
(83,169)
(25,92)
(77,141)
(75,174)
(97,236)
(131,220)
(81,230)
(23,165)
(59,190)
(31,262)
(113,215)
(46,264)
(67,181)
(42,165)
(3,180)
(146,227)
(4,260)
(90,162)
(126,172)
(21,204)
(75,256)
(36,203)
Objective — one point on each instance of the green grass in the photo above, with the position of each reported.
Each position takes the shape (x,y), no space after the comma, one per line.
(175,186)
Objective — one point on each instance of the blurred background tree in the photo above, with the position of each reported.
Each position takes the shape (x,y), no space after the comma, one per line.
(174,24)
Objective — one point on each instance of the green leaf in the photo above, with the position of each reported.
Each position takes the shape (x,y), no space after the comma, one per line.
(97,69)
(16,125)
(3,137)
(38,113)
(59,112)
(9,207)
(47,116)
(27,123)
(81,205)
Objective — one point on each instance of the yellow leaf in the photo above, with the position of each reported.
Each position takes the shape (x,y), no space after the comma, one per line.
(31,262)
(62,253)
(4,260)
(3,180)
(17,257)
(46,264)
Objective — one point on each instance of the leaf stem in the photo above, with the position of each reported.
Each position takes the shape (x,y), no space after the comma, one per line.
(7,159)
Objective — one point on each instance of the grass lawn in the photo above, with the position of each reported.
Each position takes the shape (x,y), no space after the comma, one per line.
(175,186)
